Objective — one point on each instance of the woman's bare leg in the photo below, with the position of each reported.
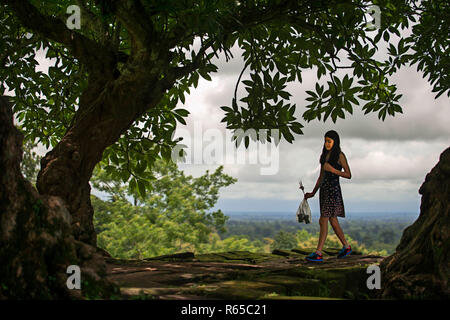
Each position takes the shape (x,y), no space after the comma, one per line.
(338,230)
(323,222)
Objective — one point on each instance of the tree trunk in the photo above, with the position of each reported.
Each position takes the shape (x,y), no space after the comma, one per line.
(420,266)
(36,242)
(107,110)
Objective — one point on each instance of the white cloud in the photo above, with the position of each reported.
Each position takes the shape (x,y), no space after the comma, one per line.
(389,160)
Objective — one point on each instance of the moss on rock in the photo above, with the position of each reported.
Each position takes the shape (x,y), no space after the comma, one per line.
(246,275)
(237,257)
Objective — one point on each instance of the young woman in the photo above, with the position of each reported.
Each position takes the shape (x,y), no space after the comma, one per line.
(332,162)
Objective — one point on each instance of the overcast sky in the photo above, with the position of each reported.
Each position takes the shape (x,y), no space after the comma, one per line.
(388,160)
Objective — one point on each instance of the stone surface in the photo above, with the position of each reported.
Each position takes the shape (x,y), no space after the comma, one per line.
(242,275)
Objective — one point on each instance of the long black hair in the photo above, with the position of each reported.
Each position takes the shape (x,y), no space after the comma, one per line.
(335,151)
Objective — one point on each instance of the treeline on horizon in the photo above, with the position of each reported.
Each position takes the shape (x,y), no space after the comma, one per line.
(370,236)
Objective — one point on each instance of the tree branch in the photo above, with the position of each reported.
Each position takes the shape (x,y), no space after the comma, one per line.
(86,50)
(93,22)
(132,15)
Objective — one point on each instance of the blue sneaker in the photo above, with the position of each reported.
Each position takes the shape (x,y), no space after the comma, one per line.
(344,252)
(314,257)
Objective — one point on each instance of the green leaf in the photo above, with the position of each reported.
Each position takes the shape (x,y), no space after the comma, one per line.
(181,96)
(182,112)
(195,77)
(142,188)
(226,109)
(296,129)
(319,89)
(125,175)
(312,93)
(132,185)
(205,75)
(179,119)
(284,94)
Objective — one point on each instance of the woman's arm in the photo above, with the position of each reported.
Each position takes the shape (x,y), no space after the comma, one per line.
(343,160)
(312,194)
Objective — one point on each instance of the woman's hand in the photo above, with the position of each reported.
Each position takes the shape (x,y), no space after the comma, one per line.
(308,195)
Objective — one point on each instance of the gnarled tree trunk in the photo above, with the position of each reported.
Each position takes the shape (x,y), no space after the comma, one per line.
(107,110)
(420,266)
(36,241)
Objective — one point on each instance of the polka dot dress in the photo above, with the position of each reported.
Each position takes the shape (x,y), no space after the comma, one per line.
(330,195)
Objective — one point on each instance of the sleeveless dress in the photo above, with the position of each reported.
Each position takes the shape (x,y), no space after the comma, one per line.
(330,195)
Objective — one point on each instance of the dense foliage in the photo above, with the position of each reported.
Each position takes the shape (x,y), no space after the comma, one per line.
(279,39)
(367,235)
(174,217)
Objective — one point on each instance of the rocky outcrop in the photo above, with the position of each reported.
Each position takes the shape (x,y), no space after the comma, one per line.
(419,269)
(282,274)
(36,241)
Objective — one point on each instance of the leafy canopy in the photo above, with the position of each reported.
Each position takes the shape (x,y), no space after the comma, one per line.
(280,39)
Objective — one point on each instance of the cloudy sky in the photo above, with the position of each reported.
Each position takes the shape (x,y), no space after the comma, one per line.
(388,160)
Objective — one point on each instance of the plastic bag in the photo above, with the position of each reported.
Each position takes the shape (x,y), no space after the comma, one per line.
(304,212)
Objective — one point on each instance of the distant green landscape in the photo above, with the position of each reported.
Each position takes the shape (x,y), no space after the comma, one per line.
(370,236)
